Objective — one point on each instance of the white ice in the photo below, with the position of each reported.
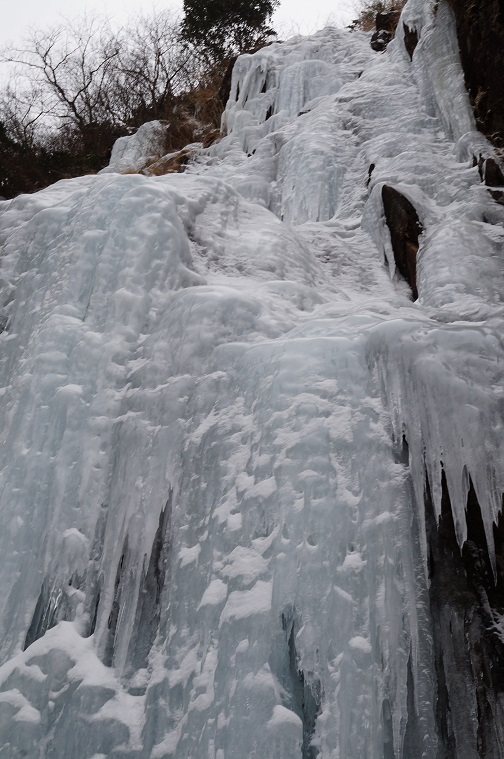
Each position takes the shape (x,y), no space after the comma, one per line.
(213,542)
(134,152)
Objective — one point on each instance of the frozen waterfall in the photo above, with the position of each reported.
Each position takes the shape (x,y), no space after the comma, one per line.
(228,432)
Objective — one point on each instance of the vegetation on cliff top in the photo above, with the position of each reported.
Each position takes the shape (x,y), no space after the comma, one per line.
(369,9)
(75,88)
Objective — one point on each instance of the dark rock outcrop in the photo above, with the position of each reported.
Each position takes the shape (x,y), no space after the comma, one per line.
(492,173)
(466,599)
(225,88)
(380,40)
(498,196)
(405,229)
(480,31)
(386,25)
(387,21)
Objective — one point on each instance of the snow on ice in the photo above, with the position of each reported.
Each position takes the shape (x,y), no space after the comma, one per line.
(213,543)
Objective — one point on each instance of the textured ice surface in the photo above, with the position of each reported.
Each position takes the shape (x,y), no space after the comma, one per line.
(132,153)
(212,538)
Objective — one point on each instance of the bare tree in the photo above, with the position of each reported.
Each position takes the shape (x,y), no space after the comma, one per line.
(24,112)
(73,65)
(154,67)
(74,88)
(91,75)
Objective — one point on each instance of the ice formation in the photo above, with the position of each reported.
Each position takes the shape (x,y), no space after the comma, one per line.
(132,153)
(213,539)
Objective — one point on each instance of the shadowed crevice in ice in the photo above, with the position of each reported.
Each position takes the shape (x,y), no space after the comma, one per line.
(55,603)
(44,616)
(148,612)
(413,735)
(410,40)
(303,696)
(94,574)
(113,619)
(95,605)
(388,732)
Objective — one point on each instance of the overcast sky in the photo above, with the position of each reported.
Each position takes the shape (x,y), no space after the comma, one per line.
(293,16)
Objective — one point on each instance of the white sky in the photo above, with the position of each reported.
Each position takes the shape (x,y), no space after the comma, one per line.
(293,16)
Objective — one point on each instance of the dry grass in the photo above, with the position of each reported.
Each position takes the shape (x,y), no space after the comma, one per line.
(168,164)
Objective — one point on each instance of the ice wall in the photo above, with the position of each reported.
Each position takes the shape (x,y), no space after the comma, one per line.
(214,539)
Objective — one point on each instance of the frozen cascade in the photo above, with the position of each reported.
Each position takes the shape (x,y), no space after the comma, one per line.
(220,409)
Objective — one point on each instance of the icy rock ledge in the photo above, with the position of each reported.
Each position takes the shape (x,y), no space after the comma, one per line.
(133,153)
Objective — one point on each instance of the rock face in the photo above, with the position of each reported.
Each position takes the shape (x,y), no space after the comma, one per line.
(491,173)
(405,229)
(466,599)
(480,31)
(386,24)
(380,40)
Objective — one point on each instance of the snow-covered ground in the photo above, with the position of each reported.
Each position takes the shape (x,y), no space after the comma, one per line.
(213,540)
